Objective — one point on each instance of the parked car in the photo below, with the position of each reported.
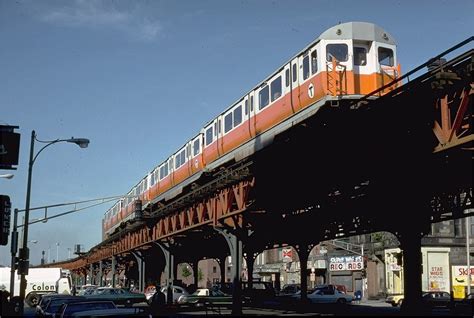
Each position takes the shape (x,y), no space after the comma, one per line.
(289,289)
(119,296)
(68,309)
(50,303)
(465,306)
(327,295)
(117,312)
(178,291)
(437,299)
(430,298)
(85,289)
(206,296)
(395,300)
(259,293)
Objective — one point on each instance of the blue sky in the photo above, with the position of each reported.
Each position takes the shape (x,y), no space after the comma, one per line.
(139,78)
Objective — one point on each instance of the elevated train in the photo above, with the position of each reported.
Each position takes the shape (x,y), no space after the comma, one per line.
(346,61)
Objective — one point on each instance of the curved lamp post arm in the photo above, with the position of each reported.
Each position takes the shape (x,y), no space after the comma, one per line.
(81,142)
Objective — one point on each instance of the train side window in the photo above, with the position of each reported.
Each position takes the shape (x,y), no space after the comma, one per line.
(386,56)
(219,125)
(339,51)
(314,62)
(246,107)
(305,67)
(251,103)
(209,135)
(294,74)
(263,99)
(237,116)
(275,87)
(227,122)
(196,147)
(287,77)
(360,56)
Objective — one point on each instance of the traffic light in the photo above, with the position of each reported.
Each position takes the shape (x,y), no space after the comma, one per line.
(5,213)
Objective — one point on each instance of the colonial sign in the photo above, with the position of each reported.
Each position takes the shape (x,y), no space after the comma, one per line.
(346,263)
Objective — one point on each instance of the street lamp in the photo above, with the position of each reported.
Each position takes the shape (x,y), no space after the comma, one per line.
(24,252)
(57,252)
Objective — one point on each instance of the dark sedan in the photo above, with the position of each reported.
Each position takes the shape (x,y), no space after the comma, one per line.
(119,296)
(49,304)
(205,296)
(437,299)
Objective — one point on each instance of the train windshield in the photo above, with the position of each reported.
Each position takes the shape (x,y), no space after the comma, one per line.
(338,51)
(386,56)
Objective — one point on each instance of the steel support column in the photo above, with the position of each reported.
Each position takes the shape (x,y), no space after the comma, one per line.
(412,271)
(303,254)
(221,262)
(235,247)
(169,257)
(100,275)
(91,274)
(114,264)
(141,270)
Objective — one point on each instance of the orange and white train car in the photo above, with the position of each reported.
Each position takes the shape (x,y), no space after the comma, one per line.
(346,61)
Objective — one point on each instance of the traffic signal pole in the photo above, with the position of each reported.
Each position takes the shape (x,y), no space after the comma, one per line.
(13,249)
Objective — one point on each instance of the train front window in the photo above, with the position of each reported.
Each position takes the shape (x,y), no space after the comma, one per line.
(386,56)
(338,51)
(360,56)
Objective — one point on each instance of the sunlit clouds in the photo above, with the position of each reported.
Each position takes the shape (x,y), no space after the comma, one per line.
(103,14)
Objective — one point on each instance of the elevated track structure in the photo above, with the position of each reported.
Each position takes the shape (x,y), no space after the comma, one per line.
(396,162)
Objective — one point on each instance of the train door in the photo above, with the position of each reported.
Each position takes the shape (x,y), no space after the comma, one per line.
(294,85)
(364,68)
(252,119)
(288,102)
(386,66)
(338,66)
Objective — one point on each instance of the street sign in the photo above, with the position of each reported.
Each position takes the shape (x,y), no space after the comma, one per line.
(5,214)
(9,147)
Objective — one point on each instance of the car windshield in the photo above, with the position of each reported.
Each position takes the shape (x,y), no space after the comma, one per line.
(76,307)
(54,304)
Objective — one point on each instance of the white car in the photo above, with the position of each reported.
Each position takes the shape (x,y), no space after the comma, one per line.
(178,291)
(326,296)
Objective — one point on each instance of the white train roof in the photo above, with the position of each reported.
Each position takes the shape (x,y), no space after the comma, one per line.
(358,31)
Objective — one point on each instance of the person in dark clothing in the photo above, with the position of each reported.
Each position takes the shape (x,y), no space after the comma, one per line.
(158,303)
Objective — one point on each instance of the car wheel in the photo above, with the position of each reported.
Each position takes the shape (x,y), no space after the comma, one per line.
(341,301)
(32,299)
